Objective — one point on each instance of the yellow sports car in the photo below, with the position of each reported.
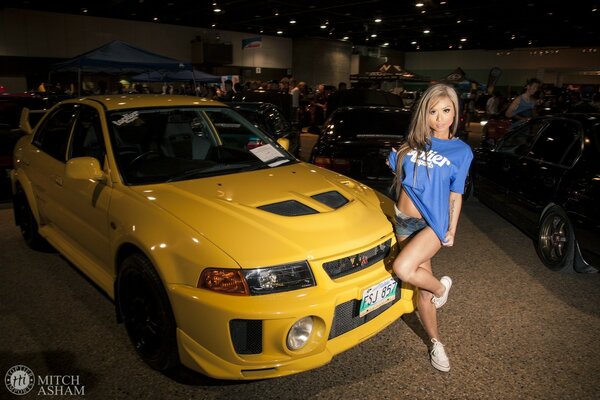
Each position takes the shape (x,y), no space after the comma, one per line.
(221,250)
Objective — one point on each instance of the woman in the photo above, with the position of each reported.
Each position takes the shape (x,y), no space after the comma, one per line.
(431,169)
(522,107)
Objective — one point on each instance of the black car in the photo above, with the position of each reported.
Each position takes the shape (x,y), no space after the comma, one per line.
(544,177)
(271,120)
(356,141)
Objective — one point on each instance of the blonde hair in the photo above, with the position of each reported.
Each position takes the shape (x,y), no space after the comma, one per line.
(419,131)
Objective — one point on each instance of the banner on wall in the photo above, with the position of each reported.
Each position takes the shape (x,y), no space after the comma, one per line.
(252,43)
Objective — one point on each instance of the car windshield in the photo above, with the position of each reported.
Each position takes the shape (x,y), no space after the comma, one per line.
(169,144)
(358,123)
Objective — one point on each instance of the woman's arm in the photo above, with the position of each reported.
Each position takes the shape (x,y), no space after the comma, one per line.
(454,212)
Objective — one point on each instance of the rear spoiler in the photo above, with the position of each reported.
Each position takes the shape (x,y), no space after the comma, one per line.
(27,116)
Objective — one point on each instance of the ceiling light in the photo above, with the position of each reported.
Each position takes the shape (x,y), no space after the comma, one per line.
(155,19)
(276,13)
(426,31)
(419,4)
(292,21)
(217,9)
(385,44)
(213,25)
(346,38)
(413,42)
(458,21)
(463,39)
(377,20)
(373,35)
(442,2)
(280,32)
(323,26)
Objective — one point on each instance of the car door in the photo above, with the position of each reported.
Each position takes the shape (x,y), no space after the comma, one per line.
(46,163)
(86,202)
(581,189)
(538,173)
(496,168)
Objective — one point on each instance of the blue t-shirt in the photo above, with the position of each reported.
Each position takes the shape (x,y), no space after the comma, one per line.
(441,170)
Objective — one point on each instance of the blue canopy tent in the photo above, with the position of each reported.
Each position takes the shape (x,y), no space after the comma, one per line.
(177,76)
(120,57)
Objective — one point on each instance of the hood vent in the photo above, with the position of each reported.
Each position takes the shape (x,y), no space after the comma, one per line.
(331,199)
(289,208)
(293,208)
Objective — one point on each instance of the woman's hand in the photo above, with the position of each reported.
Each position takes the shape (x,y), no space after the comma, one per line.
(449,239)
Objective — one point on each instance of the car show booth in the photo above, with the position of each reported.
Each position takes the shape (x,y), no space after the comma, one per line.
(118,57)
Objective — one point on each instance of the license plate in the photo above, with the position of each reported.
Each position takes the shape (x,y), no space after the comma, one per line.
(378,295)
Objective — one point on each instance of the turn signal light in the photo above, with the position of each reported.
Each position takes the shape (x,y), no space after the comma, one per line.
(227,281)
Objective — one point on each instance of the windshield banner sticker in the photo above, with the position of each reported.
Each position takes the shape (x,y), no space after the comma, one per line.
(268,153)
(127,118)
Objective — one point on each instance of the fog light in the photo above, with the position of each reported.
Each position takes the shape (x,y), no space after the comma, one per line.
(300,333)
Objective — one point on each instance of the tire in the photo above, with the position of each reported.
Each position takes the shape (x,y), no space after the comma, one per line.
(28,223)
(146,312)
(556,241)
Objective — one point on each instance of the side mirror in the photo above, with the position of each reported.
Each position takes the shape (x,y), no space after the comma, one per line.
(284,142)
(84,168)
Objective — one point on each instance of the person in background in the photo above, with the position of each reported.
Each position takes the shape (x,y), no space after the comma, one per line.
(430,168)
(492,106)
(297,93)
(522,107)
(227,91)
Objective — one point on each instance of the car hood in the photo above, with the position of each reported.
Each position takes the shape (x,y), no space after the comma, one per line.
(227,211)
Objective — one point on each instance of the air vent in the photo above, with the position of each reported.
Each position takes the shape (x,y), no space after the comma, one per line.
(289,208)
(332,199)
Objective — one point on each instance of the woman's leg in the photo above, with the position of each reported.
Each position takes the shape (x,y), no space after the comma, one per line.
(417,251)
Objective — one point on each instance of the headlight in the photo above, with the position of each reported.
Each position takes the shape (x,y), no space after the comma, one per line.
(300,333)
(281,278)
(266,280)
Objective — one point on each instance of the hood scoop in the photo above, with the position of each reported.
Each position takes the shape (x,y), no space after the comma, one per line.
(293,208)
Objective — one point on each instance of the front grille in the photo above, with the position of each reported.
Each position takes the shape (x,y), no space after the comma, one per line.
(346,316)
(246,335)
(357,262)
(289,208)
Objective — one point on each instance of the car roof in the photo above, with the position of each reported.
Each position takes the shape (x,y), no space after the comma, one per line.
(128,101)
(251,105)
(374,108)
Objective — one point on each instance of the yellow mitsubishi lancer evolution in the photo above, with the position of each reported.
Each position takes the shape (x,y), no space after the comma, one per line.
(221,250)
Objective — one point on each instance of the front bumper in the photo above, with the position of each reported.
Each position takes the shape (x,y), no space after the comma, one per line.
(244,337)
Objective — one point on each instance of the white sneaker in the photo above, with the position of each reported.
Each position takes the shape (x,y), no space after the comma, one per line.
(440,301)
(438,356)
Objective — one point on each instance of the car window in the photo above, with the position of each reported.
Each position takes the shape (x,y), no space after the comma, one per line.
(276,121)
(168,144)
(519,140)
(555,141)
(87,138)
(53,137)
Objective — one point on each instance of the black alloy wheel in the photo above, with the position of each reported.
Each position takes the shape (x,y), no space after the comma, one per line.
(556,240)
(146,312)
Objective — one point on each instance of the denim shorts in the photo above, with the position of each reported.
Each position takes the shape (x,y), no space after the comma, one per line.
(406,225)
